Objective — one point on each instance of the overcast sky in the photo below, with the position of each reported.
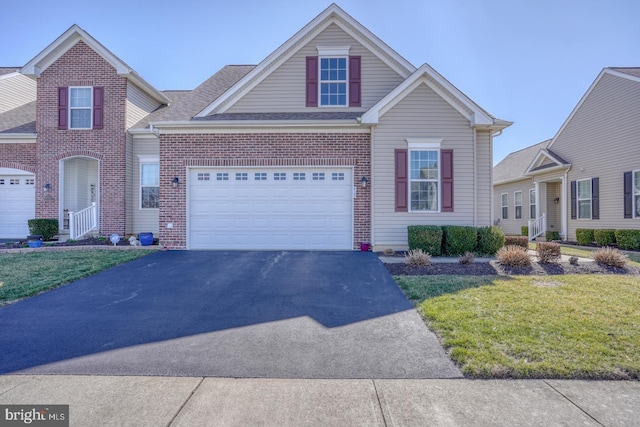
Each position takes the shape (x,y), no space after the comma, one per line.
(526,61)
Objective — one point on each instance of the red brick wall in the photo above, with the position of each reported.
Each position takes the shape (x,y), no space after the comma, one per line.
(81,66)
(177,152)
(18,156)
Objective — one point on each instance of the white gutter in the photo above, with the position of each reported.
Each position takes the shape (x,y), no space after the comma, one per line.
(19,138)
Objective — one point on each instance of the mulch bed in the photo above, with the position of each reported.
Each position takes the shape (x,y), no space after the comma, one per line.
(91,241)
(495,268)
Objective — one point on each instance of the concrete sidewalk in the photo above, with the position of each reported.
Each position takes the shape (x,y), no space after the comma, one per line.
(197,401)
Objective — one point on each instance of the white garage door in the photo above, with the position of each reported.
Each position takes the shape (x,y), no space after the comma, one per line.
(268,208)
(17,205)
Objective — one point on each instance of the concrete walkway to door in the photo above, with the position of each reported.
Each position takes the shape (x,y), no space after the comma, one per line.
(226,314)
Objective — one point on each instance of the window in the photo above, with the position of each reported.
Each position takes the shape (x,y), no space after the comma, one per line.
(204,176)
(80,102)
(532,204)
(318,176)
(337,176)
(279,176)
(29,181)
(584,199)
(242,176)
(222,176)
(636,193)
(149,185)
(260,176)
(299,176)
(14,182)
(333,82)
(517,203)
(424,174)
(505,205)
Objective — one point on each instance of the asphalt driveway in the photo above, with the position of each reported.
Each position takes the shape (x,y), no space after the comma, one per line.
(226,314)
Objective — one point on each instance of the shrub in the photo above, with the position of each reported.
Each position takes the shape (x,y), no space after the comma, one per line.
(43,226)
(552,235)
(548,252)
(466,259)
(610,257)
(513,256)
(524,230)
(573,260)
(521,241)
(459,239)
(425,237)
(584,236)
(628,239)
(417,258)
(605,237)
(389,251)
(490,239)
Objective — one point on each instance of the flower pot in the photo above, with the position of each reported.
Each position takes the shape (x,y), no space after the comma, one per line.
(146,239)
(364,246)
(35,243)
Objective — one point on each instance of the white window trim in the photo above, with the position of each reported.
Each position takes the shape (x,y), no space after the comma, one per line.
(147,161)
(503,197)
(333,51)
(578,199)
(320,81)
(438,181)
(424,143)
(534,204)
(634,205)
(515,205)
(90,108)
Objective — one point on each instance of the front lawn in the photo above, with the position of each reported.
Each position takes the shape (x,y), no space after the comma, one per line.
(26,274)
(573,326)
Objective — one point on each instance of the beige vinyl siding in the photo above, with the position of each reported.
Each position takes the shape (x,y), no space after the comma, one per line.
(484,164)
(129,185)
(511,225)
(602,140)
(16,90)
(284,90)
(139,104)
(144,220)
(421,114)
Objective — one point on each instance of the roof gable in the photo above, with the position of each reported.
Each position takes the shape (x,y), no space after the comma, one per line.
(67,40)
(512,167)
(332,15)
(545,160)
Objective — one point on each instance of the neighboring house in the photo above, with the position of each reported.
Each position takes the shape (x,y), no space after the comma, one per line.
(588,175)
(334,139)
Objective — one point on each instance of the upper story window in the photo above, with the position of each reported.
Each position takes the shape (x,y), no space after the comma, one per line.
(333,78)
(333,82)
(80,103)
(80,107)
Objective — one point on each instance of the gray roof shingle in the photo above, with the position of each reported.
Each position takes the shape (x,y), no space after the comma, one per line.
(348,115)
(632,71)
(19,120)
(513,166)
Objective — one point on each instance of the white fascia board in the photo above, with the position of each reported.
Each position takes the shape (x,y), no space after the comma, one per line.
(19,138)
(332,15)
(622,75)
(67,40)
(546,170)
(9,75)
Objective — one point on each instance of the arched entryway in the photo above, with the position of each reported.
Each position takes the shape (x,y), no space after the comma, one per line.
(79,187)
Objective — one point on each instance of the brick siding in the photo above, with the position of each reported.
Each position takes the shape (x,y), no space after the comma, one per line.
(177,152)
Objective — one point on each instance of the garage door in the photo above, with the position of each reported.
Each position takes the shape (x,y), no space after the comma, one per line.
(270,208)
(17,205)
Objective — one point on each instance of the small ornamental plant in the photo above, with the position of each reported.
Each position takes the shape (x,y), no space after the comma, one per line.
(548,252)
(611,257)
(466,259)
(417,258)
(573,260)
(514,256)
(521,241)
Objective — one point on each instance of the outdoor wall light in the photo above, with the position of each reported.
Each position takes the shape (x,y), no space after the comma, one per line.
(363,181)
(175,181)
(47,187)
(556,200)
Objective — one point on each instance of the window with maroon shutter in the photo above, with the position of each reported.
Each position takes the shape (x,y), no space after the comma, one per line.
(98,109)
(446,180)
(354,81)
(574,200)
(401,180)
(595,198)
(63,108)
(628,194)
(312,81)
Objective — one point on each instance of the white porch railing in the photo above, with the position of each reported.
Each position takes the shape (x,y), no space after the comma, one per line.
(82,222)
(537,226)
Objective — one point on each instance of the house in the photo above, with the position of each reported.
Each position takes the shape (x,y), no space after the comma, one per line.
(332,140)
(587,175)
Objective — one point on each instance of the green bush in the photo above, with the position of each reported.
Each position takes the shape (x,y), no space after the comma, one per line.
(522,241)
(490,240)
(628,239)
(524,230)
(425,237)
(606,237)
(552,235)
(584,236)
(45,227)
(459,239)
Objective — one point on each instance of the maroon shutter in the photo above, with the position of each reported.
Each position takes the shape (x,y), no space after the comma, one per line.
(628,194)
(98,110)
(63,108)
(354,81)
(446,180)
(402,180)
(312,81)
(595,198)
(574,200)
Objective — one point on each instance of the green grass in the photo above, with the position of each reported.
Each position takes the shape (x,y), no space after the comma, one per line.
(574,326)
(26,274)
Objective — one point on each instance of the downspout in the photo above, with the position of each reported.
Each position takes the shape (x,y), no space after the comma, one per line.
(475,178)
(563,194)
(372,183)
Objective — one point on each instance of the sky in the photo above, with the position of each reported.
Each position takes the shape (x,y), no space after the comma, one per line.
(525,61)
